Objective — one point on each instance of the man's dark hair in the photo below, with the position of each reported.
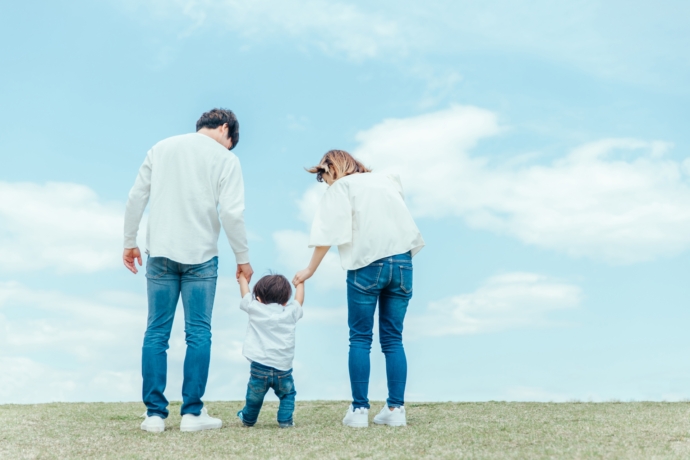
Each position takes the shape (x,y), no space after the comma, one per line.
(273,289)
(218,117)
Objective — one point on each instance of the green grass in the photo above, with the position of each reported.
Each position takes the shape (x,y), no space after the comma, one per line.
(435,430)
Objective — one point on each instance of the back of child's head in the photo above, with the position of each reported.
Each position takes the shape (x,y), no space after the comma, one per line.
(273,289)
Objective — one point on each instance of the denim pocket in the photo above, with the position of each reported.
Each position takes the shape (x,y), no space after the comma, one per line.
(206,270)
(368,277)
(286,384)
(156,267)
(258,385)
(406,279)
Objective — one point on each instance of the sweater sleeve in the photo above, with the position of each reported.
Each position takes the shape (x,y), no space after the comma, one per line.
(137,201)
(231,209)
(332,225)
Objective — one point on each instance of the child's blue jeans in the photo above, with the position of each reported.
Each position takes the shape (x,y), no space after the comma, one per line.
(262,378)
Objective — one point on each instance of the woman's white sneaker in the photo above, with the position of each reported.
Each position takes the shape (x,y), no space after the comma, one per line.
(395,417)
(357,418)
(203,421)
(153,424)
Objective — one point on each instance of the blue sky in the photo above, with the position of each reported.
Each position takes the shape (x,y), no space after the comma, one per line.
(544,153)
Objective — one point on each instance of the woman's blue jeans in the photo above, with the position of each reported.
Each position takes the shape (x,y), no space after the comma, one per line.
(387,281)
(166,281)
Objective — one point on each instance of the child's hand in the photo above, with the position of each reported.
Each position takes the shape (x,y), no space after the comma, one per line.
(244,284)
(302,276)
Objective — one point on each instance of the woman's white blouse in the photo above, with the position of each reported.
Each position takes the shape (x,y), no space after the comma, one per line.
(366,217)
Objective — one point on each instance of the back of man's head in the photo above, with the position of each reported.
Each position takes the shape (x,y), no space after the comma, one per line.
(218,117)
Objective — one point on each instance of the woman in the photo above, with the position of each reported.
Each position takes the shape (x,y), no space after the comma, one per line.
(365,215)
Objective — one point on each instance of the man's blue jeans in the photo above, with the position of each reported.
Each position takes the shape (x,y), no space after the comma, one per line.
(261,378)
(387,281)
(166,280)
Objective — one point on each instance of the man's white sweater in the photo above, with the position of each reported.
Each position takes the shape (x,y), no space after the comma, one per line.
(191,180)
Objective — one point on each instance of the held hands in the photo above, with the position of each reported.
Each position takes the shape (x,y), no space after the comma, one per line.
(128,258)
(246,270)
(302,276)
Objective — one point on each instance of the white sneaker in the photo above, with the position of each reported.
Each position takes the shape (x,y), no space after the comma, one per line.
(203,421)
(395,417)
(357,418)
(153,424)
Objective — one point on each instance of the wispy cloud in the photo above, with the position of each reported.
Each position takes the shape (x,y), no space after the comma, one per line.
(618,200)
(647,46)
(60,226)
(508,301)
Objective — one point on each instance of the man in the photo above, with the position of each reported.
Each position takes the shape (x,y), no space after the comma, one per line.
(191,180)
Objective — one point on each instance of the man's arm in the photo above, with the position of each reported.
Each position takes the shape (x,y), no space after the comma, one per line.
(299,293)
(136,204)
(231,212)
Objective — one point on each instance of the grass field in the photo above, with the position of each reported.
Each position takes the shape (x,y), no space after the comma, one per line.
(435,430)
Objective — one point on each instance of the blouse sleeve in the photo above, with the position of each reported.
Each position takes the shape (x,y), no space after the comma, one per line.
(332,224)
(398,184)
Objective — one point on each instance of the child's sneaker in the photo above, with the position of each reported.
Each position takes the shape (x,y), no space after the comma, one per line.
(395,417)
(153,424)
(239,416)
(357,418)
(203,421)
(289,424)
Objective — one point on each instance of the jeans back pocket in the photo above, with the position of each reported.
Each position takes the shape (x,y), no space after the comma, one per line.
(156,267)
(406,279)
(368,277)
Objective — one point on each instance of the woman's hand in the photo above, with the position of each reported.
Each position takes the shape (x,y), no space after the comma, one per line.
(302,276)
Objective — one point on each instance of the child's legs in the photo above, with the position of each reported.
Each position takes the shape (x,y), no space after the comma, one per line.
(284,387)
(256,390)
(392,308)
(362,295)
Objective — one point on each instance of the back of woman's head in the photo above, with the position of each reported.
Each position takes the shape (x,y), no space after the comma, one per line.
(339,164)
(273,289)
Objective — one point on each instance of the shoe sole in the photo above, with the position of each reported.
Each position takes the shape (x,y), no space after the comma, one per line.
(154,429)
(390,423)
(201,428)
(356,425)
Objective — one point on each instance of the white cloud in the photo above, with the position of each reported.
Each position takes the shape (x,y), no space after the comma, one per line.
(647,46)
(61,226)
(331,26)
(508,301)
(617,200)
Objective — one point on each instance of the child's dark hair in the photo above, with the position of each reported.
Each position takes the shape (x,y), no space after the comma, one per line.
(273,289)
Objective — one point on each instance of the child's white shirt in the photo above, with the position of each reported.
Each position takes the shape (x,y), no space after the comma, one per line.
(270,338)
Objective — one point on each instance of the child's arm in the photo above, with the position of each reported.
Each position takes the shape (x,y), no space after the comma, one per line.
(299,293)
(244,285)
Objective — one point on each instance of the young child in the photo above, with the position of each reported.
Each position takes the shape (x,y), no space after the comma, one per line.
(270,344)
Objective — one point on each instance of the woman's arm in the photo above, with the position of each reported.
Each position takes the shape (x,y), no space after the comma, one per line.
(316,258)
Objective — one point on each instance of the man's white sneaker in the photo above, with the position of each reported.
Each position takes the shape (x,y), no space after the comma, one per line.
(203,421)
(153,424)
(357,418)
(395,417)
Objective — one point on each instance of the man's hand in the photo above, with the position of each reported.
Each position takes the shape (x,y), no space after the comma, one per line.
(302,276)
(129,256)
(246,270)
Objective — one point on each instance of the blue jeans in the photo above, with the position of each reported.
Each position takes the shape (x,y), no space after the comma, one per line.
(387,281)
(166,280)
(261,378)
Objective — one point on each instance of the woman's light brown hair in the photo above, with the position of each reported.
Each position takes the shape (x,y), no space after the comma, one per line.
(339,163)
